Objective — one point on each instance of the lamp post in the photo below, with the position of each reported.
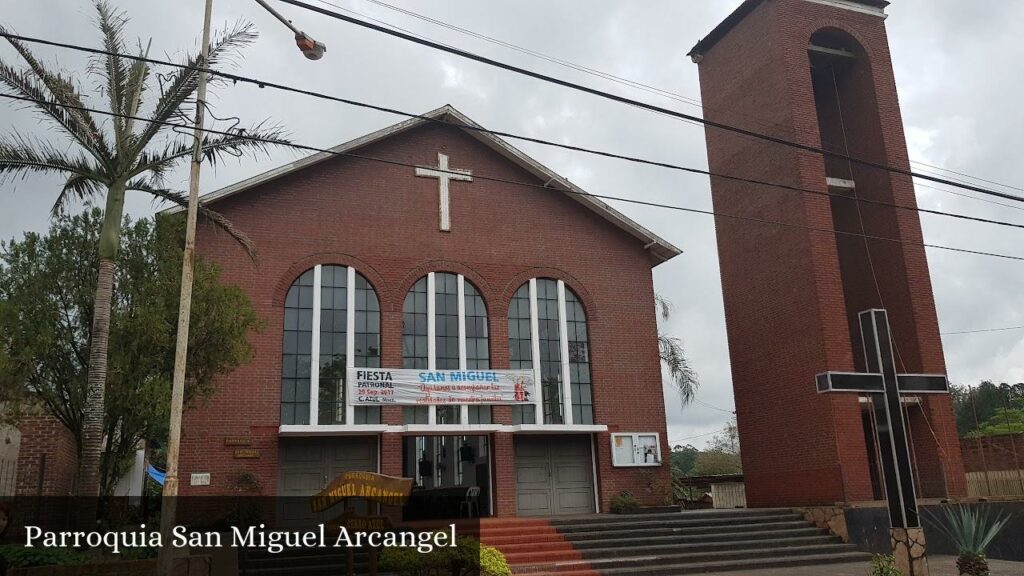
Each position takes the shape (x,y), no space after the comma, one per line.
(314,51)
(310,48)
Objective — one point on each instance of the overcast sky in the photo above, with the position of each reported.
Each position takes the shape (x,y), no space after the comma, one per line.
(955,67)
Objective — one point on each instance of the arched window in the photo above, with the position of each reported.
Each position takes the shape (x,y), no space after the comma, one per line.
(548,333)
(444,326)
(331,313)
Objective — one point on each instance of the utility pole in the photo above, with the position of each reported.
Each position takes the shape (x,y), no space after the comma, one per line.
(169,505)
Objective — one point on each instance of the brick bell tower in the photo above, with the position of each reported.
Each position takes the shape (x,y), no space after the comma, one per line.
(818,72)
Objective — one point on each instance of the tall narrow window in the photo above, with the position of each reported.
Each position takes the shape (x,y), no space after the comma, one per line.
(549,336)
(520,348)
(548,333)
(340,329)
(445,328)
(415,352)
(446,334)
(579,360)
(367,345)
(478,355)
(298,337)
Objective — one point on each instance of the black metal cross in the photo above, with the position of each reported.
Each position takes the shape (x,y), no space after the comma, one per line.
(885,386)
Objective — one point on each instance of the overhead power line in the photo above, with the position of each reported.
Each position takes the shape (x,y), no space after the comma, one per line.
(644,105)
(984,330)
(268,84)
(712,406)
(545,187)
(677,440)
(600,73)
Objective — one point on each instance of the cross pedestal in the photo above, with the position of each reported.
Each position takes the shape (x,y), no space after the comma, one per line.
(885,385)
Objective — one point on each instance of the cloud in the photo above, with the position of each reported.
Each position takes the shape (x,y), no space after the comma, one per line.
(954,65)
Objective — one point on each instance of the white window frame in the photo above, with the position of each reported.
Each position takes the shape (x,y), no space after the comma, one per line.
(432,340)
(635,438)
(350,343)
(563,345)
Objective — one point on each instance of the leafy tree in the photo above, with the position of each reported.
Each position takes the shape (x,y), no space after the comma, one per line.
(108,158)
(716,462)
(1003,421)
(682,459)
(973,406)
(728,440)
(673,357)
(46,322)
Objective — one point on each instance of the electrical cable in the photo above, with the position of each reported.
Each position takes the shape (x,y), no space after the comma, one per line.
(568,188)
(644,105)
(595,72)
(979,331)
(264,84)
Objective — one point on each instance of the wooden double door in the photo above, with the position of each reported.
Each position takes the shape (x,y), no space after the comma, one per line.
(307,465)
(554,475)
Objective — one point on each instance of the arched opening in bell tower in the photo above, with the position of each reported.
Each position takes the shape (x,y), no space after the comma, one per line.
(872,268)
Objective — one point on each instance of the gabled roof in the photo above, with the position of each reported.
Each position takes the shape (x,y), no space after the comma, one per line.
(661,249)
(741,12)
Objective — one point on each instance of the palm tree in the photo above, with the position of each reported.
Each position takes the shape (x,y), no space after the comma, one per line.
(111,157)
(684,378)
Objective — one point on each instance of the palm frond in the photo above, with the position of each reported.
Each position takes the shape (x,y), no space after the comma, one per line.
(21,155)
(124,79)
(663,305)
(60,100)
(180,86)
(255,140)
(111,67)
(684,377)
(77,187)
(179,198)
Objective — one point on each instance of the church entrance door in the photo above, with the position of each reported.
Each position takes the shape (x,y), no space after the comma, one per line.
(307,465)
(554,475)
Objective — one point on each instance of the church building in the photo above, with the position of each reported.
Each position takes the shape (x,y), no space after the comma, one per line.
(395,272)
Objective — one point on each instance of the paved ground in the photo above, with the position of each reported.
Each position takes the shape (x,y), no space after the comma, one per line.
(939,566)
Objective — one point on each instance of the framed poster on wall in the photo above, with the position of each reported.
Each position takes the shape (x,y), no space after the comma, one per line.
(636,449)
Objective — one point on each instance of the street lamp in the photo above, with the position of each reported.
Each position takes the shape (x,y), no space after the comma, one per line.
(310,48)
(314,51)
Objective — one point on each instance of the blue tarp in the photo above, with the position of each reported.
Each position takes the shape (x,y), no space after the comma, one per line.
(155,474)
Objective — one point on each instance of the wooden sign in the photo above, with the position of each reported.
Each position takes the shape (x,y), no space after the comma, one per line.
(247,453)
(237,441)
(387,490)
(362,523)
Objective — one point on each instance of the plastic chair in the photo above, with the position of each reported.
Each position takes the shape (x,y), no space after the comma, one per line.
(471,504)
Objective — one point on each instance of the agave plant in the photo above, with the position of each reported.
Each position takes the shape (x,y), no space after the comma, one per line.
(971,529)
(110,156)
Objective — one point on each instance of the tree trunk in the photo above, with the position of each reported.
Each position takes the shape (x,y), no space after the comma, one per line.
(92,421)
(89,473)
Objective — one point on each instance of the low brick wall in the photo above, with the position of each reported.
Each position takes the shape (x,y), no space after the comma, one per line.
(993,452)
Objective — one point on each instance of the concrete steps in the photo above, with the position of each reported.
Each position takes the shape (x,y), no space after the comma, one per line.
(673,543)
(655,544)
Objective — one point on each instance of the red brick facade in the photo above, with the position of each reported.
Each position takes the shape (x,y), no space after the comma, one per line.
(382,220)
(792,292)
(48,458)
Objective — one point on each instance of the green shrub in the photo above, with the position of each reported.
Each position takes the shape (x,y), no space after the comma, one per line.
(18,556)
(884,565)
(468,558)
(624,503)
